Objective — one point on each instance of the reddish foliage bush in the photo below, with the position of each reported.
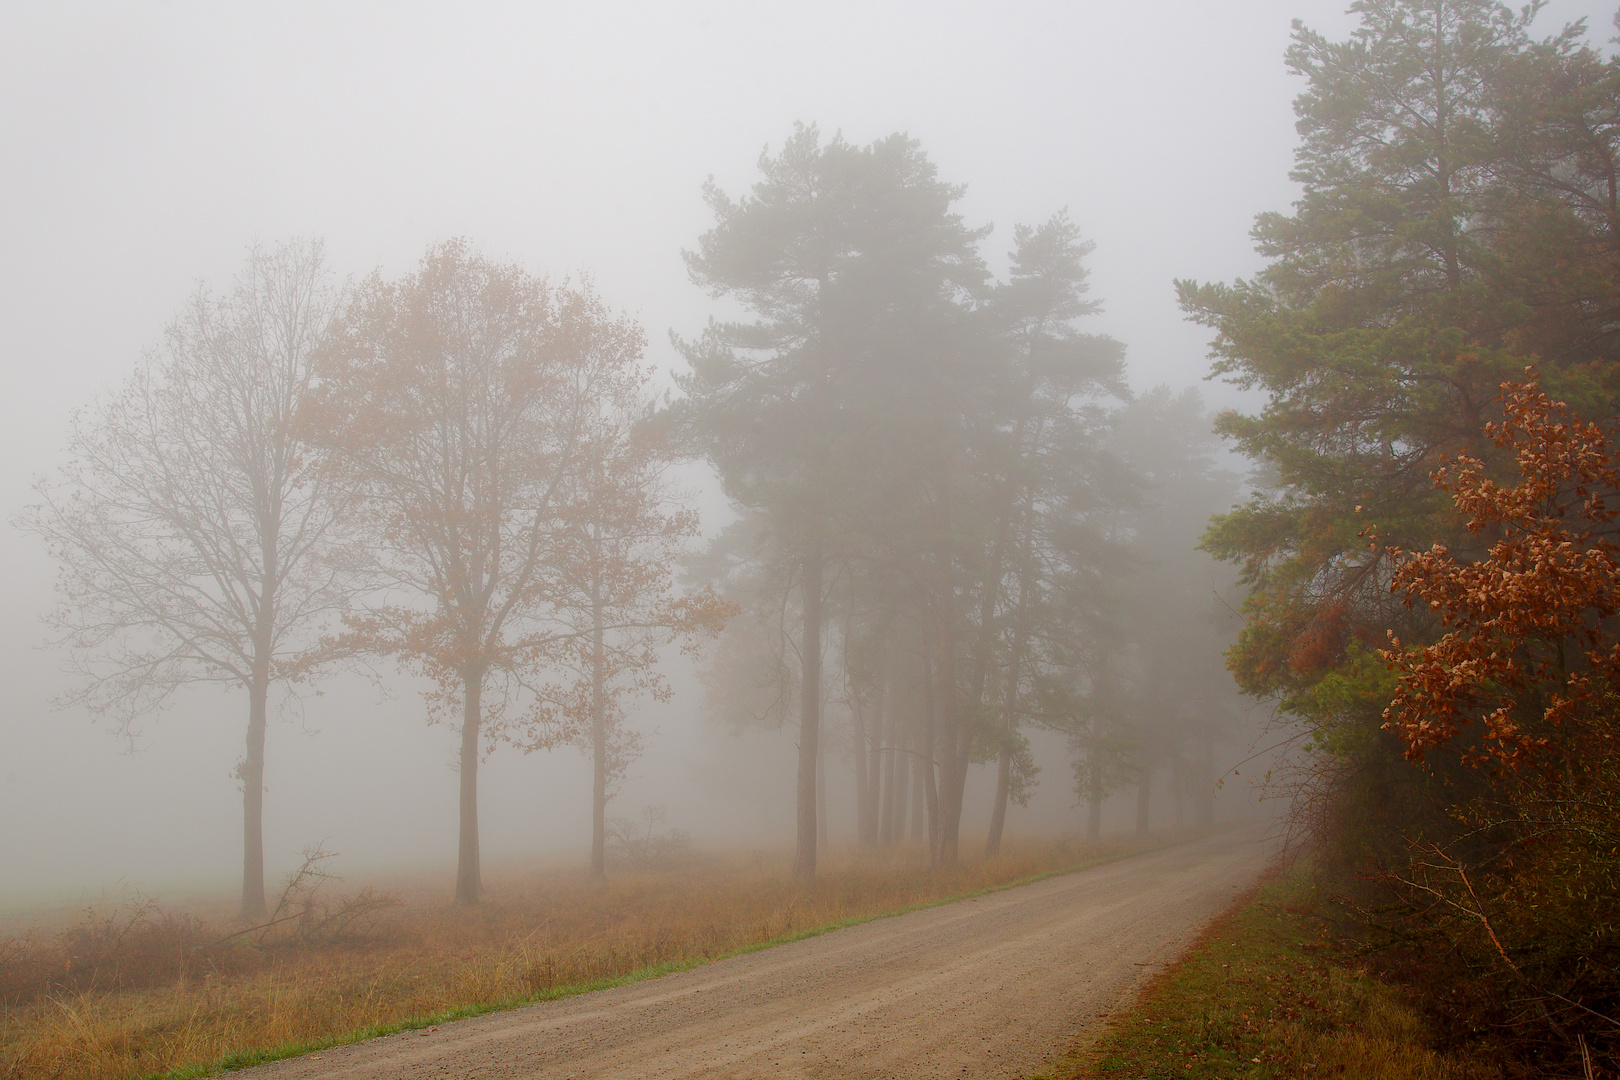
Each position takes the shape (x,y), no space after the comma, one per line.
(1510,915)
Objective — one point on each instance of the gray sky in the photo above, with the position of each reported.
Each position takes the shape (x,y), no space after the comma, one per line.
(145,146)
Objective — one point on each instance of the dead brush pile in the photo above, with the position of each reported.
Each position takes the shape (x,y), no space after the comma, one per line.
(141,990)
(136,944)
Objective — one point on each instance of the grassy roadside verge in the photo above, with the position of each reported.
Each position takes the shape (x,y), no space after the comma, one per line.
(1259,997)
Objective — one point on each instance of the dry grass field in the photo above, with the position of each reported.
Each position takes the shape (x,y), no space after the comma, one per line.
(140,989)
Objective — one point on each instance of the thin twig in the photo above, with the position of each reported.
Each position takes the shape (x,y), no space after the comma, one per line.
(1490,931)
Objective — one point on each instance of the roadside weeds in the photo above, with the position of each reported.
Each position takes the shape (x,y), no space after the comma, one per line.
(1261,996)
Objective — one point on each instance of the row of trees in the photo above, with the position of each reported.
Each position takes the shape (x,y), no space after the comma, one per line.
(932,494)
(953,524)
(1460,220)
(447,469)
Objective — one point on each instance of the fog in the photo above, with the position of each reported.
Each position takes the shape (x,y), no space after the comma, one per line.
(146,147)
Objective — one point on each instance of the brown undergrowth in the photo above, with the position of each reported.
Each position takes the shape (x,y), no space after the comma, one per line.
(138,990)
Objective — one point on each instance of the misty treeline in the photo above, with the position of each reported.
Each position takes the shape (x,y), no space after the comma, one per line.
(445,469)
(1432,567)
(953,523)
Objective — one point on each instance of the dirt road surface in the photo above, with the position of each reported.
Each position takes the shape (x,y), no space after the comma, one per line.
(993,987)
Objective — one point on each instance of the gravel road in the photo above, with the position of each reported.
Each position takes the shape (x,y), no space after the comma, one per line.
(993,987)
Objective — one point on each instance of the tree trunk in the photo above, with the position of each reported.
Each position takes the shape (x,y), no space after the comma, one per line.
(1143,790)
(1094,802)
(469,882)
(921,772)
(952,790)
(804,862)
(875,790)
(953,781)
(1178,784)
(599,804)
(821,792)
(925,764)
(893,783)
(998,812)
(1205,801)
(865,810)
(598,739)
(953,745)
(253,905)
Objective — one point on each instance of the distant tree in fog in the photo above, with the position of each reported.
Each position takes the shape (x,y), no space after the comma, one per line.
(468,404)
(750,678)
(847,258)
(1177,610)
(614,593)
(979,562)
(1050,487)
(192,527)
(921,458)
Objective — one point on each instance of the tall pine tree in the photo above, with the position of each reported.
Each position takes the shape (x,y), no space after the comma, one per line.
(851,261)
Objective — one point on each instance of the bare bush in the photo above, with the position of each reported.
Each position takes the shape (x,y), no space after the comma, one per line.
(304,917)
(137,944)
(638,844)
(24,966)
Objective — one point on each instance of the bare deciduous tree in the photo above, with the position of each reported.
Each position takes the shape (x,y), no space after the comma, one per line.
(615,592)
(464,402)
(190,523)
